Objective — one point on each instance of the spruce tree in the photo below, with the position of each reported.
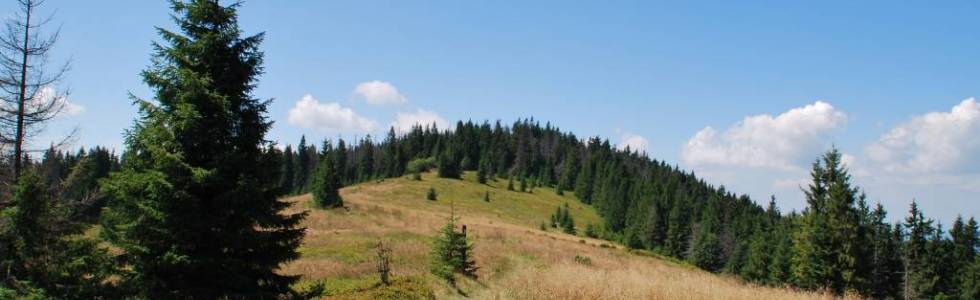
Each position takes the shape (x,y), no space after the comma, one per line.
(756,268)
(570,170)
(782,252)
(40,247)
(452,252)
(965,241)
(326,181)
(365,162)
(340,162)
(431,195)
(885,280)
(706,248)
(969,287)
(567,222)
(302,167)
(828,245)
(920,275)
(481,175)
(939,259)
(678,230)
(194,209)
(449,163)
(590,231)
(482,169)
(393,160)
(286,180)
(585,180)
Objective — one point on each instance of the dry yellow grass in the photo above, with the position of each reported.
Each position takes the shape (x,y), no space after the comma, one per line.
(517,260)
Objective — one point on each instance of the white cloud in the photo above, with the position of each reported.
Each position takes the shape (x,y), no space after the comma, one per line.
(47,94)
(784,142)
(634,142)
(310,113)
(405,120)
(790,183)
(379,93)
(937,142)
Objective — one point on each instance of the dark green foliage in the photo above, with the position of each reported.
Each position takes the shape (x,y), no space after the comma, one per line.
(969,287)
(431,195)
(706,252)
(757,263)
(585,180)
(452,252)
(194,209)
(340,162)
(920,275)
(885,280)
(71,180)
(303,167)
(562,219)
(679,229)
(365,163)
(481,171)
(568,226)
(964,244)
(828,245)
(392,159)
(326,181)
(569,171)
(39,254)
(782,251)
(449,163)
(590,231)
(287,178)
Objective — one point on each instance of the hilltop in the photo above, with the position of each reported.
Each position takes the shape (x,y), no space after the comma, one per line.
(517,259)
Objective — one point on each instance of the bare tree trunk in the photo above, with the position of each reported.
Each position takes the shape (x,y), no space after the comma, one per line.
(28,94)
(19,138)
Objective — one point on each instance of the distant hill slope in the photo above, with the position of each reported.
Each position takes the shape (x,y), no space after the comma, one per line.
(517,260)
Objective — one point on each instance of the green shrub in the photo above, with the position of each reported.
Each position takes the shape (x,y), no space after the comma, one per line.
(432,194)
(420,165)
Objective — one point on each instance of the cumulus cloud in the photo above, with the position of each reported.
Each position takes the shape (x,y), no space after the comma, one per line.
(404,121)
(936,142)
(784,142)
(311,113)
(48,94)
(634,142)
(379,93)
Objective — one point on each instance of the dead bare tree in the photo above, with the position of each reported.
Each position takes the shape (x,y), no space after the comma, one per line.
(28,94)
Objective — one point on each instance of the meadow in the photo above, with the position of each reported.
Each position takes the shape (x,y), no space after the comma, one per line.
(517,259)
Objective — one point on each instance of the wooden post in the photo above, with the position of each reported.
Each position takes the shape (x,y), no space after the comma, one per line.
(384,269)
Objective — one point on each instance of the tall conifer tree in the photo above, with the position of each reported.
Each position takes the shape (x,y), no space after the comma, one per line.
(194,209)
(326,182)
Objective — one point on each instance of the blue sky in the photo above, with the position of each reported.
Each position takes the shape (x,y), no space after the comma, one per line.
(656,74)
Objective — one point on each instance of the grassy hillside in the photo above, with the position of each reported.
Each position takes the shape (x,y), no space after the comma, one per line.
(517,260)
